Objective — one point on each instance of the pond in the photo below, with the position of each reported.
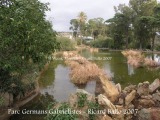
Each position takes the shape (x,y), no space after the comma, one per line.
(55,83)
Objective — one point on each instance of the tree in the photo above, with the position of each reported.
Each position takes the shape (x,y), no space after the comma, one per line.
(82,17)
(27,39)
(74,27)
(142,9)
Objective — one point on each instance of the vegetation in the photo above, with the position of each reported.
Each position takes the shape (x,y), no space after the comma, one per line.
(102,43)
(133,26)
(27,41)
(137,59)
(61,116)
(93,106)
(81,99)
(66,44)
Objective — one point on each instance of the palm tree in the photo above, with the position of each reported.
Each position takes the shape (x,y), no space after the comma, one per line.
(82,17)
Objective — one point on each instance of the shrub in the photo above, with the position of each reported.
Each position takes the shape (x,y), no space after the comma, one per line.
(102,43)
(81,99)
(60,116)
(66,44)
(93,106)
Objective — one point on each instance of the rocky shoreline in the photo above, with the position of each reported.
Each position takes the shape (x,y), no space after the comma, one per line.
(135,102)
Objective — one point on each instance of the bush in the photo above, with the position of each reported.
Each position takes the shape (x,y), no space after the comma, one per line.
(102,43)
(66,44)
(61,116)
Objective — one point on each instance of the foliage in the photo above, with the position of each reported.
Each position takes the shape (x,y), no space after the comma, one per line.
(102,43)
(59,116)
(93,106)
(81,99)
(66,44)
(27,40)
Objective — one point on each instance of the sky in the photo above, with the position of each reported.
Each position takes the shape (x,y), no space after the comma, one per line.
(62,11)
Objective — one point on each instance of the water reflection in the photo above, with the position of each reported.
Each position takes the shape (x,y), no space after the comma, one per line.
(61,86)
(130,69)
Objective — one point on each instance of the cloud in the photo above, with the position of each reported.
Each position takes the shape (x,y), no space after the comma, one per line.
(62,11)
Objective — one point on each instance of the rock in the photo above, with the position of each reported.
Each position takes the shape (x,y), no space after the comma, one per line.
(73,100)
(154,86)
(110,89)
(144,103)
(130,97)
(104,117)
(148,97)
(103,100)
(90,97)
(8,99)
(118,86)
(99,88)
(156,97)
(143,88)
(149,114)
(129,88)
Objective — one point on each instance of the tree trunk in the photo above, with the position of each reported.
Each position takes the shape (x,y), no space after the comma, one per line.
(153,40)
(127,40)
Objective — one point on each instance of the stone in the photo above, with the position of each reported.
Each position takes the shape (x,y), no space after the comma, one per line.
(73,100)
(148,97)
(90,97)
(143,88)
(144,103)
(104,117)
(156,97)
(130,97)
(109,88)
(154,86)
(8,99)
(149,114)
(129,88)
(118,86)
(103,100)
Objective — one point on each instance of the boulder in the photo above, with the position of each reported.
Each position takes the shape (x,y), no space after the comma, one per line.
(156,97)
(118,86)
(129,88)
(144,103)
(73,100)
(143,88)
(103,100)
(154,86)
(110,89)
(148,97)
(130,97)
(104,117)
(7,99)
(149,114)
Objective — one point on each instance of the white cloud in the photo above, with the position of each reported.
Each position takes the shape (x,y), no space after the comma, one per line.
(62,11)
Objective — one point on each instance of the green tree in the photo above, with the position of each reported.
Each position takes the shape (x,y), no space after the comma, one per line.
(27,39)
(74,27)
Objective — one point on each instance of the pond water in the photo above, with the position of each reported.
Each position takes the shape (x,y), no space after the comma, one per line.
(55,83)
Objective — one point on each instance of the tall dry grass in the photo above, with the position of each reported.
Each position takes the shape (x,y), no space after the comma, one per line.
(137,59)
(82,70)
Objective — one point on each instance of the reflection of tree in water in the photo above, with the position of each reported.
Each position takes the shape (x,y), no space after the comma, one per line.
(48,76)
(130,69)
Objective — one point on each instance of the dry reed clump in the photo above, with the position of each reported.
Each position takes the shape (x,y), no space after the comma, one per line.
(137,59)
(93,50)
(149,62)
(82,70)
